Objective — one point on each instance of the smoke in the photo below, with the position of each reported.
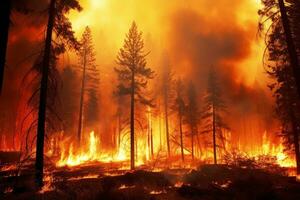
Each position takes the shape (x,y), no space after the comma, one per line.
(195,34)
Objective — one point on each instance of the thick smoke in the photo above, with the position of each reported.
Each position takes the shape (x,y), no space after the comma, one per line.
(195,34)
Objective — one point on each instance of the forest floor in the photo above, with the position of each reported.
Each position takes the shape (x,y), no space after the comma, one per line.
(100,181)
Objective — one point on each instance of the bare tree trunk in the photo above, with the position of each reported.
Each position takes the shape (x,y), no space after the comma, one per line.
(181,136)
(167,126)
(39,161)
(198,141)
(192,141)
(149,134)
(290,44)
(214,135)
(132,152)
(296,141)
(79,135)
(151,137)
(160,139)
(119,130)
(5,10)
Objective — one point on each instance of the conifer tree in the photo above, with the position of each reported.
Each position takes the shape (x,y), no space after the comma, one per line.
(133,75)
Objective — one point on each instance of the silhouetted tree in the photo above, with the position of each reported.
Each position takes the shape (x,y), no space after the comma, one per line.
(5,10)
(167,82)
(192,114)
(90,82)
(45,66)
(133,75)
(179,107)
(281,69)
(213,109)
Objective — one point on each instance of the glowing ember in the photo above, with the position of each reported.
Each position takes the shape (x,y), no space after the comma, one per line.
(157,192)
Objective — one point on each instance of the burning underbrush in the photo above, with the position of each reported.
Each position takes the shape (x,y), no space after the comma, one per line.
(66,154)
(205,182)
(93,172)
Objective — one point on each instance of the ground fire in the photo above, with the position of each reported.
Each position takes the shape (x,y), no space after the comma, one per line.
(110,99)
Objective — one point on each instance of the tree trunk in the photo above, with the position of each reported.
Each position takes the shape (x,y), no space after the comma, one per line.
(297,149)
(132,152)
(39,161)
(81,102)
(5,10)
(192,141)
(119,129)
(214,135)
(181,136)
(167,126)
(290,44)
(151,140)
(296,141)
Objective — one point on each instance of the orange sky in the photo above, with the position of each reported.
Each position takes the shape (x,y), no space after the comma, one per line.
(111,19)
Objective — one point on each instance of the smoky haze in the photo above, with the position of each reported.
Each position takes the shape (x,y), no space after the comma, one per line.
(194,34)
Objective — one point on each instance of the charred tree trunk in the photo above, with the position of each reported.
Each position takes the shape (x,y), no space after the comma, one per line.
(5,10)
(181,136)
(296,141)
(132,152)
(167,126)
(81,102)
(151,140)
(198,142)
(192,141)
(119,130)
(214,135)
(39,161)
(290,44)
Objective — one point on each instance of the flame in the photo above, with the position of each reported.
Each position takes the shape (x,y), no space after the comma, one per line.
(92,154)
(121,154)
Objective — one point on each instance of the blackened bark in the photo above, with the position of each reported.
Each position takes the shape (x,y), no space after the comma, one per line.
(132,152)
(181,136)
(5,9)
(167,126)
(296,140)
(39,162)
(290,44)
(81,101)
(192,140)
(214,134)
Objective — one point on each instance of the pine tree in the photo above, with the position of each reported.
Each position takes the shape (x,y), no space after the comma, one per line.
(213,110)
(167,82)
(281,69)
(59,25)
(192,115)
(133,75)
(89,83)
(179,107)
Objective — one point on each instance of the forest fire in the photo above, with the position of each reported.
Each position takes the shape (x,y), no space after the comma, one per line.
(93,153)
(110,99)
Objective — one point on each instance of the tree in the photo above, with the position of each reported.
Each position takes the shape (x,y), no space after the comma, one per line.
(280,68)
(192,114)
(290,44)
(133,75)
(60,25)
(167,81)
(213,109)
(5,10)
(179,107)
(89,83)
